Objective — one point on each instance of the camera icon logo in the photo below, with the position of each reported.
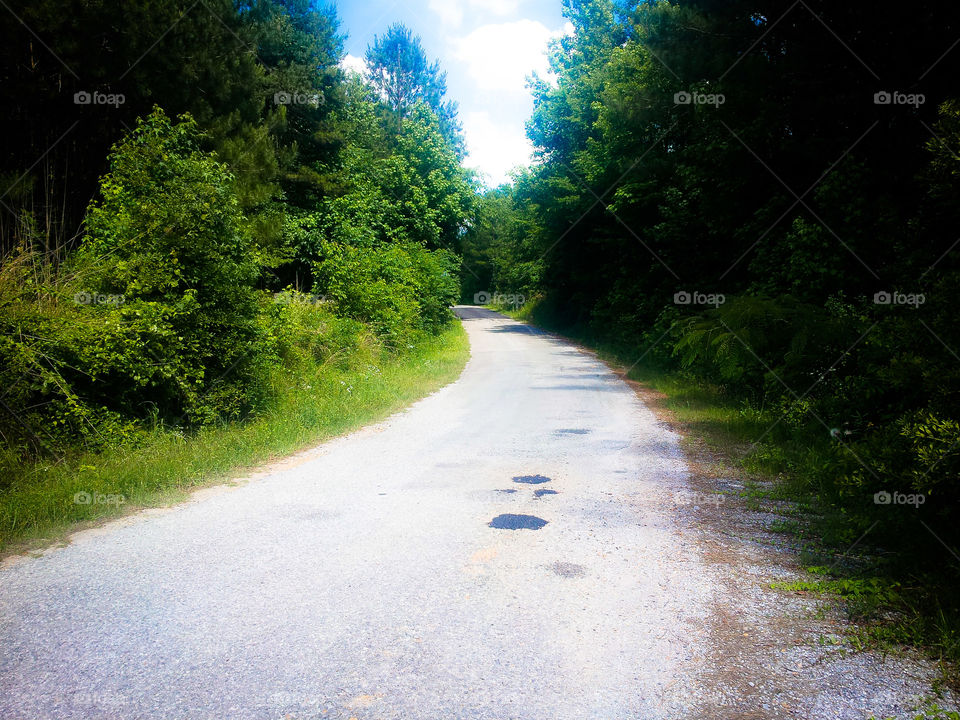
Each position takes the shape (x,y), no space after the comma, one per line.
(882,98)
(882,498)
(481,298)
(682,98)
(82,498)
(82,98)
(682,298)
(882,298)
(281,98)
(82,298)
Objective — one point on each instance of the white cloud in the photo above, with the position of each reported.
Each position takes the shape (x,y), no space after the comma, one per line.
(497,7)
(494,148)
(450,11)
(354,63)
(500,56)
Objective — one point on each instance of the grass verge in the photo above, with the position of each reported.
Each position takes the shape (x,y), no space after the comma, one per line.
(41,505)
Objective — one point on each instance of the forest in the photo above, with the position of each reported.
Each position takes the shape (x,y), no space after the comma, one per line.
(763,197)
(207,206)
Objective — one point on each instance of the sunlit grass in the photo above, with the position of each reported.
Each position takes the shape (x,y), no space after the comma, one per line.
(40,504)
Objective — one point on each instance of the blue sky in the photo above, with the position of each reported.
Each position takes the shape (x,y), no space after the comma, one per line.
(487,48)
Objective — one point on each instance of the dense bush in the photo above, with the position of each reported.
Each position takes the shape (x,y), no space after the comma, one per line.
(398,289)
(289,173)
(167,237)
(153,318)
(48,344)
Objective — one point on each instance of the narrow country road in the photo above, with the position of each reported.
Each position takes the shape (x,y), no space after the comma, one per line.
(510,547)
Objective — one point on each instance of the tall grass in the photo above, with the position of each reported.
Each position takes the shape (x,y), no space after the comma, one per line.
(313,402)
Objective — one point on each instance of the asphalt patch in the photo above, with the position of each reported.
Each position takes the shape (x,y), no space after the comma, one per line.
(569,570)
(531,479)
(572,431)
(517,522)
(540,492)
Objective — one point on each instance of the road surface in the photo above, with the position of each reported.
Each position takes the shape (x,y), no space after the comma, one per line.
(510,547)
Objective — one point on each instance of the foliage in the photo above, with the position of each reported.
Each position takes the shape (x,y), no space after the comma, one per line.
(398,289)
(154,317)
(160,314)
(398,69)
(224,63)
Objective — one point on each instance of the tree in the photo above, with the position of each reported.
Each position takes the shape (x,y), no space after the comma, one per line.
(226,64)
(398,68)
(167,237)
(299,48)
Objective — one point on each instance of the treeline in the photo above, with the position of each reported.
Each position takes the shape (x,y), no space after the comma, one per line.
(198,203)
(764,195)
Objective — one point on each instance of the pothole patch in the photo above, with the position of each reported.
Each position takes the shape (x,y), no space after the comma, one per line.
(569,570)
(510,521)
(531,479)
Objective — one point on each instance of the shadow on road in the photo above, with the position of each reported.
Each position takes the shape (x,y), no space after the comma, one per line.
(473,312)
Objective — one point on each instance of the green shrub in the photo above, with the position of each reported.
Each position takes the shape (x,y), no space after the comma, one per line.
(51,348)
(399,288)
(307,331)
(154,318)
(167,237)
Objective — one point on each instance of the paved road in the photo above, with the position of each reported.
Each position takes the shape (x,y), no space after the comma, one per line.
(506,548)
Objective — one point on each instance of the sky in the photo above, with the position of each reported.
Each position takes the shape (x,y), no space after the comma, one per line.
(487,48)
